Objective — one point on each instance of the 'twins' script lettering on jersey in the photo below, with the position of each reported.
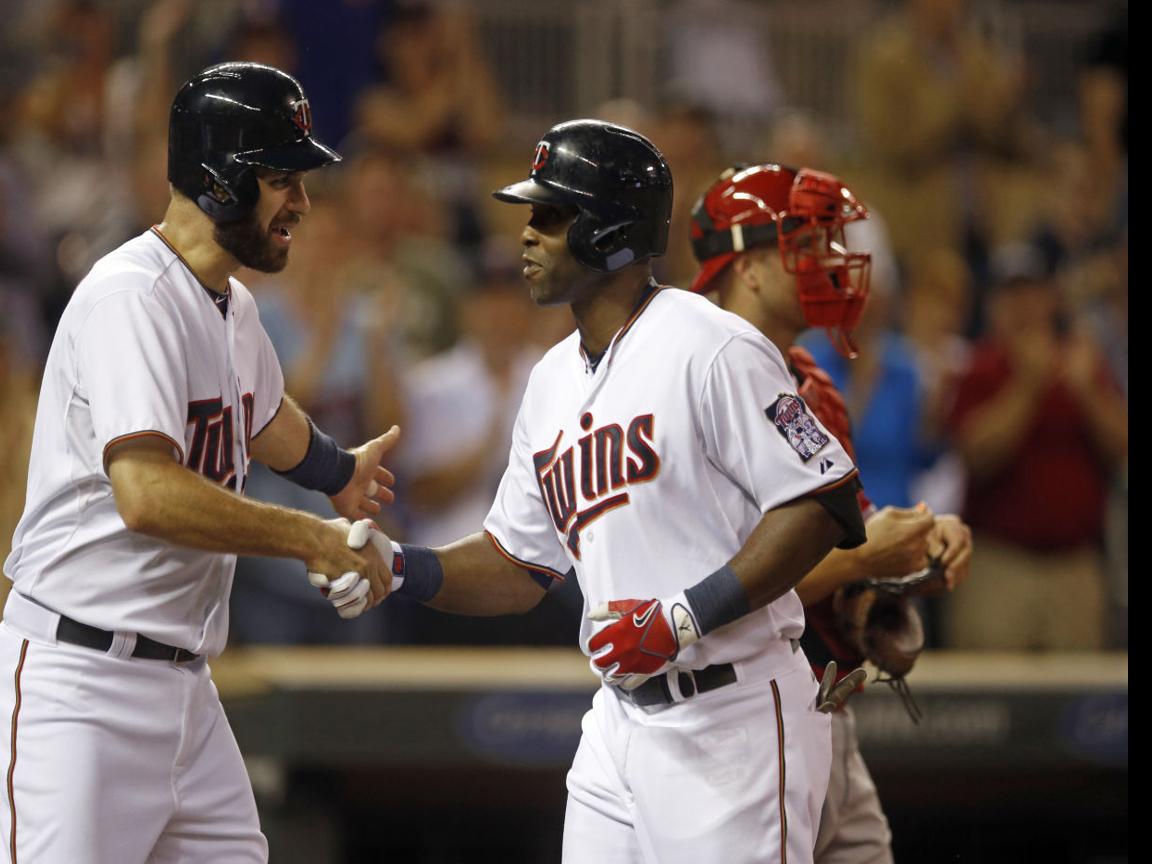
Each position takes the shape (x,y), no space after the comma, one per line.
(211,452)
(583,482)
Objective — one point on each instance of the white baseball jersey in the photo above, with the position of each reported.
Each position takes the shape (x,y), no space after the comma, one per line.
(141,349)
(649,471)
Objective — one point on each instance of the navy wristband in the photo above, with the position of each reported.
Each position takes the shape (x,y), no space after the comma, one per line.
(421,570)
(325,466)
(717,600)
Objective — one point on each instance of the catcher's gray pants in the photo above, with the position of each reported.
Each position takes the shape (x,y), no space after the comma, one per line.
(853,828)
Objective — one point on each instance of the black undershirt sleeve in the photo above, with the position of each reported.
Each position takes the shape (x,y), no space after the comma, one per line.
(842,504)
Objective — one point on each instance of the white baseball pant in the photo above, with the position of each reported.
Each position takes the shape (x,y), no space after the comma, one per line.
(733,776)
(110,759)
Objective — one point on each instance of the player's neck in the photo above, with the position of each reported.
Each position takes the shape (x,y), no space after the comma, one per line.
(782,335)
(608,307)
(750,306)
(191,236)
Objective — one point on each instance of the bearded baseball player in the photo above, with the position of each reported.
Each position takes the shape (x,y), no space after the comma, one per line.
(770,242)
(660,455)
(159,389)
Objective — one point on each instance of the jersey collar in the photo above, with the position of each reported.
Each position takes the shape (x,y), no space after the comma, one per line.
(220,301)
(592,363)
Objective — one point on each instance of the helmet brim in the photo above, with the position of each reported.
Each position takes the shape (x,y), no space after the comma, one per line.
(303,154)
(709,270)
(530,192)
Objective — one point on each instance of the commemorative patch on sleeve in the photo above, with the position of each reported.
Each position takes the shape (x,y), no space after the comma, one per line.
(790,416)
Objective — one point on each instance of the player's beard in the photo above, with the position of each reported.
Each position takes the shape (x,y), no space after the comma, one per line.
(250,244)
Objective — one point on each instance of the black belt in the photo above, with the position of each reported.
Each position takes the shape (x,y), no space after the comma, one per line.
(93,637)
(655,691)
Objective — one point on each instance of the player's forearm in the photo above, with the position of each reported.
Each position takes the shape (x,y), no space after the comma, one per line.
(165,500)
(839,567)
(783,548)
(478,580)
(284,441)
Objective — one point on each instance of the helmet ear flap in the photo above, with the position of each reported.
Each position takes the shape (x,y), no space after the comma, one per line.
(228,195)
(599,246)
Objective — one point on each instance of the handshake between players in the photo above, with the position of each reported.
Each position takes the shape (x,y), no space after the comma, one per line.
(358,590)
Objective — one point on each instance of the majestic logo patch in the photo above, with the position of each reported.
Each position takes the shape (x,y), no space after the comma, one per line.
(542,151)
(302,116)
(793,421)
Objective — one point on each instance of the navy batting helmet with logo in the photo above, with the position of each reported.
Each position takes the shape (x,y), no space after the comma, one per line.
(618,181)
(230,119)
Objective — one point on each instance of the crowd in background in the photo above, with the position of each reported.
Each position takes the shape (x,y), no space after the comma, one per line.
(993,371)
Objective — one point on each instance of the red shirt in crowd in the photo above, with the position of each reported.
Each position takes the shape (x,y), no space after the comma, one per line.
(1051,494)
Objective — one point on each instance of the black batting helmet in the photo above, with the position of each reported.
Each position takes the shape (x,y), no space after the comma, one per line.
(618,181)
(229,119)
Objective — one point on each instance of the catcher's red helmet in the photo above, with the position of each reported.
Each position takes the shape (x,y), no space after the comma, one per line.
(803,213)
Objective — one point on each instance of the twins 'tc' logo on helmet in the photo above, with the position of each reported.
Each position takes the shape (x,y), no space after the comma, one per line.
(541,156)
(302,116)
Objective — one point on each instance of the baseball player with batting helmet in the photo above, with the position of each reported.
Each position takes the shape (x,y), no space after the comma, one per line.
(159,389)
(771,245)
(660,455)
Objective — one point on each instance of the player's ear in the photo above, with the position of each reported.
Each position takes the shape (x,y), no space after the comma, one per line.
(746,273)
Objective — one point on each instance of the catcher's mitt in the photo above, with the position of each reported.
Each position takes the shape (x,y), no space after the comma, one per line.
(877,618)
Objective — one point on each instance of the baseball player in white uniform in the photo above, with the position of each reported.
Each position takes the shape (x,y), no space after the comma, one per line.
(159,389)
(662,457)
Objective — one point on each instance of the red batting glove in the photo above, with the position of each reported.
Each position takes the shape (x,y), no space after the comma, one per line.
(642,638)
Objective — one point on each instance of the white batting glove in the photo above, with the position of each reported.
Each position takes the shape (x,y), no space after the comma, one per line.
(366,530)
(349,593)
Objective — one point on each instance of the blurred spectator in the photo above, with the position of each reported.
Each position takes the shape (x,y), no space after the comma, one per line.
(26,272)
(799,138)
(19,388)
(332,349)
(626,112)
(265,40)
(140,90)
(1105,312)
(397,245)
(1042,427)
(1076,219)
(80,198)
(339,60)
(462,404)
(1104,109)
(936,308)
(440,101)
(940,112)
(686,135)
(720,60)
(440,95)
